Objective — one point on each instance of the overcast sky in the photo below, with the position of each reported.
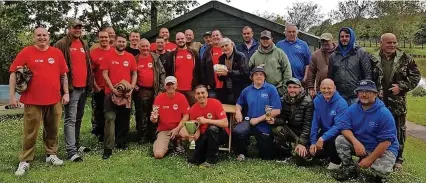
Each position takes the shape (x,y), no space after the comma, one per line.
(275,6)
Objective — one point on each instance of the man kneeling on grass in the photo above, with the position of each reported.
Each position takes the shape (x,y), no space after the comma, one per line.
(214,131)
(369,131)
(170,110)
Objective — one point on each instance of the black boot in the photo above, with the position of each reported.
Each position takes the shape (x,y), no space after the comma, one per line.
(345,173)
(107,153)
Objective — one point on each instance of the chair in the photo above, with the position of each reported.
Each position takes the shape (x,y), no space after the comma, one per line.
(229,109)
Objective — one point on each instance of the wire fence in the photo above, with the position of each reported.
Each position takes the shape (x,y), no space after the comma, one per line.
(402,44)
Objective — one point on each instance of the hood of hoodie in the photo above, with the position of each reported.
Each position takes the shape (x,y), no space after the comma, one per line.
(334,98)
(296,99)
(270,49)
(377,105)
(345,50)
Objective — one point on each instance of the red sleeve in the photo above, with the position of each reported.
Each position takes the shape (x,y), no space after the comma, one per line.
(63,68)
(20,60)
(219,110)
(186,107)
(133,64)
(153,47)
(157,100)
(192,113)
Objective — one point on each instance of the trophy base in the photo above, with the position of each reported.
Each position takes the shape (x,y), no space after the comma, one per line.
(192,145)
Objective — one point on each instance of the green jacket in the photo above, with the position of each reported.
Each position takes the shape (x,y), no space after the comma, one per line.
(406,74)
(64,45)
(159,73)
(276,65)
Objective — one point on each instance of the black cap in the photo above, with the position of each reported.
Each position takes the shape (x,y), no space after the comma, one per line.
(259,68)
(208,33)
(366,85)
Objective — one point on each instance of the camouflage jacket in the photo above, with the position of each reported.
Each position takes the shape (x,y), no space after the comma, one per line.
(406,74)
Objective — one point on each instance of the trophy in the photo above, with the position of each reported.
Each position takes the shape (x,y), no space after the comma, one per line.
(268,110)
(156,111)
(191,127)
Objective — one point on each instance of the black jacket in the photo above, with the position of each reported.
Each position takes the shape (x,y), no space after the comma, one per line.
(205,71)
(237,77)
(297,114)
(347,71)
(170,65)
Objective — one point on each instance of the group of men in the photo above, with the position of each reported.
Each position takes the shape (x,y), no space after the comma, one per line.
(292,101)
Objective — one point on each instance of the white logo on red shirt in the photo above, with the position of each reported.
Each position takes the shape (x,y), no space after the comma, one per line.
(189,56)
(38,61)
(51,60)
(180,57)
(150,65)
(222,113)
(209,115)
(73,49)
(141,66)
(82,50)
(115,62)
(125,63)
(175,107)
(166,107)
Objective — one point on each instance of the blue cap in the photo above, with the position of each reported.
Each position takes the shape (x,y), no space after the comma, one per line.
(259,68)
(366,85)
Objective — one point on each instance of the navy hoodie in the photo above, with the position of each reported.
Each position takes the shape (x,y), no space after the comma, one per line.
(325,115)
(372,126)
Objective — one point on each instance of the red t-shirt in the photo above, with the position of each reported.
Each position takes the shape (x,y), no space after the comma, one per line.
(168,47)
(184,65)
(213,110)
(119,67)
(47,68)
(79,67)
(171,110)
(145,71)
(216,53)
(98,56)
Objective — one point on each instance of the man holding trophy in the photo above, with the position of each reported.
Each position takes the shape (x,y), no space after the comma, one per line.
(170,111)
(263,103)
(209,114)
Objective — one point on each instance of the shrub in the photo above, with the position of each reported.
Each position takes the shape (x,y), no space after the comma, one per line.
(418,92)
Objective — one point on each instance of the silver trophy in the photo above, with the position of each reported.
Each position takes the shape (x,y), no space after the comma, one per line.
(156,111)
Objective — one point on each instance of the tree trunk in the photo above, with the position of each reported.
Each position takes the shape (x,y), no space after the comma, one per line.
(153,15)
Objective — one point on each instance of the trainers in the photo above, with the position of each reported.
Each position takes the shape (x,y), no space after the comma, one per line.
(22,168)
(180,149)
(107,153)
(54,160)
(205,165)
(397,166)
(333,166)
(241,157)
(345,173)
(75,158)
(83,149)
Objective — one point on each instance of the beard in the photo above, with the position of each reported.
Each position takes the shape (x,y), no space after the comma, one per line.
(181,45)
(120,49)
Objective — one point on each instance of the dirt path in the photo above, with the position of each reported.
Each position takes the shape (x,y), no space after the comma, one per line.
(415,130)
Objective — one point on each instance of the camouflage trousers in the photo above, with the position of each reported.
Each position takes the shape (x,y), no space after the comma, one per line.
(283,137)
(400,121)
(382,166)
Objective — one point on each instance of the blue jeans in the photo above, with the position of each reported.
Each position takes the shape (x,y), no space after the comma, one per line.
(74,112)
(241,139)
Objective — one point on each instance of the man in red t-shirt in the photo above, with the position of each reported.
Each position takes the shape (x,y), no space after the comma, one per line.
(205,69)
(172,111)
(164,33)
(76,55)
(42,98)
(120,65)
(181,64)
(98,56)
(150,83)
(209,113)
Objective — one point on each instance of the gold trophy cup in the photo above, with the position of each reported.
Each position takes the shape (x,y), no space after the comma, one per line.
(156,111)
(268,110)
(191,127)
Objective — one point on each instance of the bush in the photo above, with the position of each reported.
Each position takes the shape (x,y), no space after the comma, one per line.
(418,92)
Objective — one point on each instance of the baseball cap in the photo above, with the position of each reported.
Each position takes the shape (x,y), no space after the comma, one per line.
(294,81)
(266,33)
(74,22)
(366,85)
(170,79)
(326,36)
(207,33)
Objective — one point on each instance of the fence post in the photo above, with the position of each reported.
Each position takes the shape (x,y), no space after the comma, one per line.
(376,43)
(370,43)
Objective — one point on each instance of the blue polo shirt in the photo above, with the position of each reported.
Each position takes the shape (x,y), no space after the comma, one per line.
(257,99)
(299,56)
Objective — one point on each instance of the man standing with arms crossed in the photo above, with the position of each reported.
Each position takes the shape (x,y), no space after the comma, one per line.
(80,77)
(42,104)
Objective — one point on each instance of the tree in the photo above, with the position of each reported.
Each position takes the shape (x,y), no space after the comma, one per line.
(322,28)
(304,15)
(274,17)
(353,10)
(420,36)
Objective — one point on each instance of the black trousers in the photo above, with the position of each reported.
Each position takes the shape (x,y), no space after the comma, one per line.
(98,120)
(117,121)
(207,146)
(144,99)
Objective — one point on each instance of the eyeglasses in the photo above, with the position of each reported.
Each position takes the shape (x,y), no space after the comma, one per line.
(265,38)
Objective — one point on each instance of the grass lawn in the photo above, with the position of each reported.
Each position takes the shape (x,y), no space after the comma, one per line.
(421,63)
(416,109)
(137,165)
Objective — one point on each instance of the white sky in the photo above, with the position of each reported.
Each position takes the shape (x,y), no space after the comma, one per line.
(275,6)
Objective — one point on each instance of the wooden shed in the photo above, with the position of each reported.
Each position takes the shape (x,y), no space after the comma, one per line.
(229,20)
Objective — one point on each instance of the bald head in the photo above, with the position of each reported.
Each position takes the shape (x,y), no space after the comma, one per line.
(180,40)
(327,81)
(388,44)
(189,35)
(327,88)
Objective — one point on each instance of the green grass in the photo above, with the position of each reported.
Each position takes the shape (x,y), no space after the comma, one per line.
(416,109)
(137,165)
(421,63)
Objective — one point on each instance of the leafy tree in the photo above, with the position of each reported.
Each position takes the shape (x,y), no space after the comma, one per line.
(354,10)
(304,15)
(274,17)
